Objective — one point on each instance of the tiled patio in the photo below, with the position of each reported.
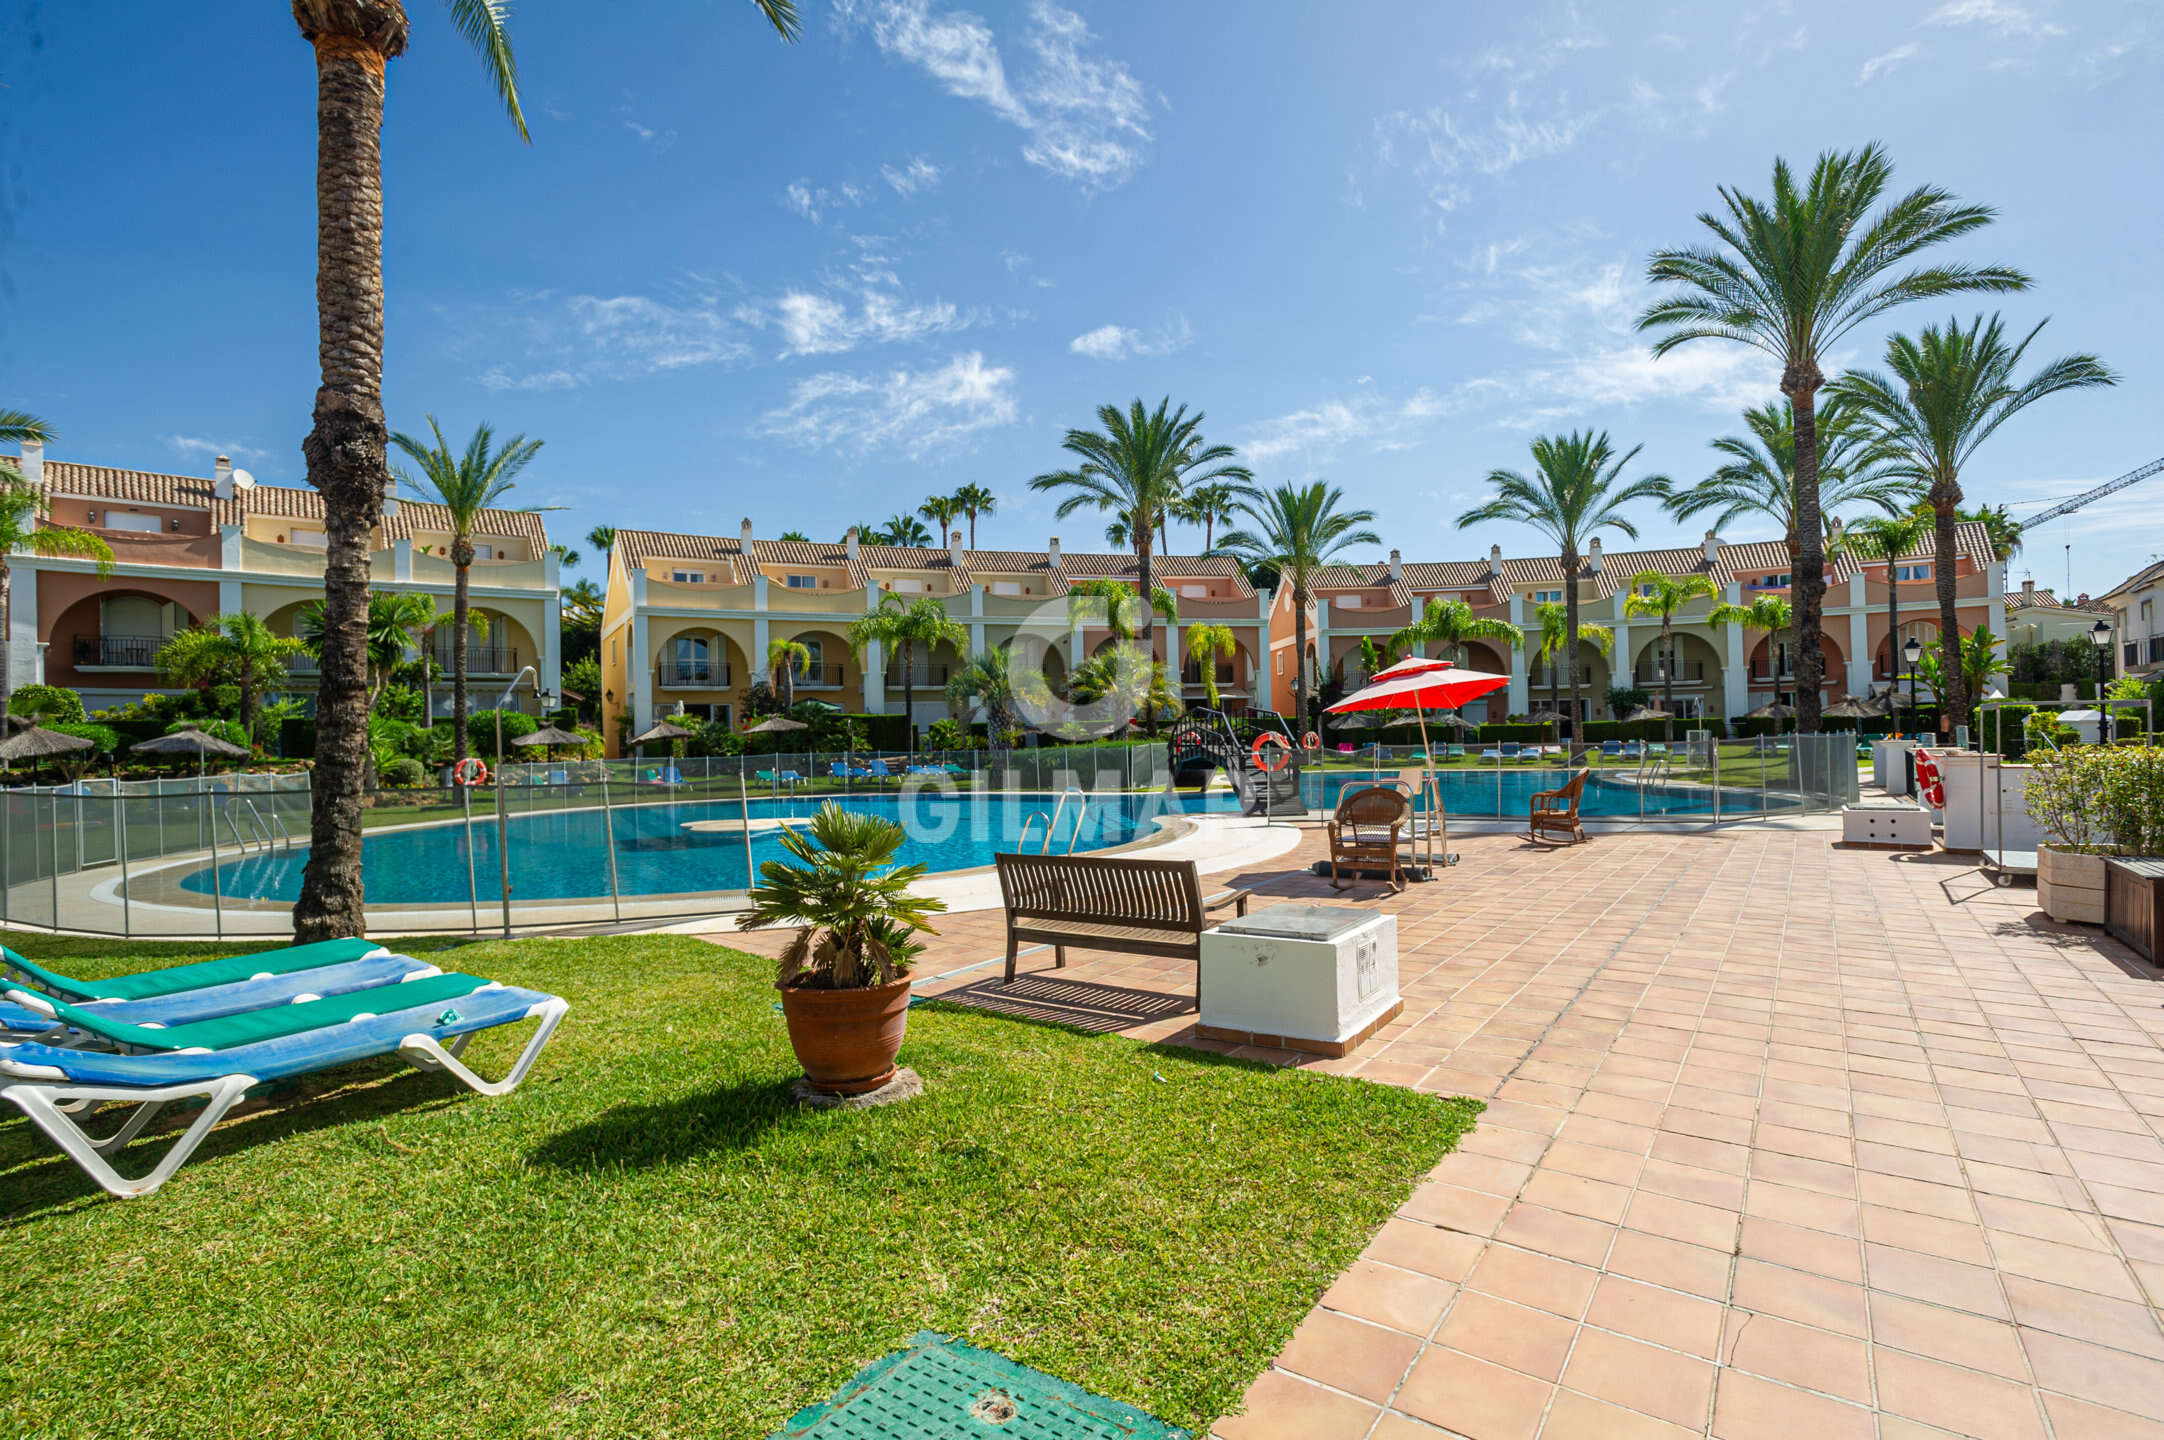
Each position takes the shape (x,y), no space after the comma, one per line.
(1782,1139)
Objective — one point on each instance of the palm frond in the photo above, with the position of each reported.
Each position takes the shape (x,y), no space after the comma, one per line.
(485,24)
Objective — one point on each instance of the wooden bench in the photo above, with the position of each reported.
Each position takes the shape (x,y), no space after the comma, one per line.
(1108,902)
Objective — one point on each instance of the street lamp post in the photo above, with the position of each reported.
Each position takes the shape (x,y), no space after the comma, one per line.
(1912,652)
(546,700)
(2100,636)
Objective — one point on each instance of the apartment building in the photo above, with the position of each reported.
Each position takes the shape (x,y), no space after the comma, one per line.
(2036,616)
(189,547)
(2136,606)
(689,619)
(1722,671)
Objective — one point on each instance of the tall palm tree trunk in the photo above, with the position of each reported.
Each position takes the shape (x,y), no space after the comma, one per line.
(7,642)
(909,699)
(1668,675)
(1570,642)
(461,616)
(1893,632)
(1299,657)
(1149,624)
(1945,496)
(1809,579)
(345,449)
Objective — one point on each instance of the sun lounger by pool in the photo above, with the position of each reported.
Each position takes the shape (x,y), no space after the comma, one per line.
(220,1060)
(1611,749)
(211,1001)
(194,976)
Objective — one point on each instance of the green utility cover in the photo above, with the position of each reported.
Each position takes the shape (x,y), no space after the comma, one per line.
(941,1389)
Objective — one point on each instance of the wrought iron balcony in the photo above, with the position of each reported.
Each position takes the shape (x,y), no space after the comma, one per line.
(694,675)
(118,652)
(1690,672)
(482,659)
(922,676)
(1191,673)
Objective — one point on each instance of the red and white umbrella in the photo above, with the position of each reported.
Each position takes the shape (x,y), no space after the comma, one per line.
(1424,685)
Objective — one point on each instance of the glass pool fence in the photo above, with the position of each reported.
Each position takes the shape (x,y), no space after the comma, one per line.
(563,843)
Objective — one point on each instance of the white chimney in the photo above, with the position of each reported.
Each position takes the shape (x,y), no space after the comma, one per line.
(744,535)
(221,477)
(850,541)
(1713,548)
(33,461)
(2028,587)
(1495,559)
(1592,558)
(954,549)
(1051,552)
(1397,568)
(242,479)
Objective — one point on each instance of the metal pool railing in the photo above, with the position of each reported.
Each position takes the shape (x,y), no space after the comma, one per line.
(587,841)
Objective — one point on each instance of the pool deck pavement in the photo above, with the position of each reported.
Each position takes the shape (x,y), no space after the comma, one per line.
(1782,1139)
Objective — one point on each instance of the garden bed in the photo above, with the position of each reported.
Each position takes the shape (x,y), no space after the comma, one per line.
(650,1239)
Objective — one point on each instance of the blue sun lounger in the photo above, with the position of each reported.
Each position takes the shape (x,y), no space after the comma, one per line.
(220,1060)
(212,1001)
(195,976)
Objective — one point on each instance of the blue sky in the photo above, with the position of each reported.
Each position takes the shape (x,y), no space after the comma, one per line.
(813,284)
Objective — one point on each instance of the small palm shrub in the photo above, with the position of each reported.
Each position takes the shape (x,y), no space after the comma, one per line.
(404,773)
(856,914)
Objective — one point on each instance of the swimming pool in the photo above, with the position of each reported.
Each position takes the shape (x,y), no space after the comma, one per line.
(560,855)
(1507,793)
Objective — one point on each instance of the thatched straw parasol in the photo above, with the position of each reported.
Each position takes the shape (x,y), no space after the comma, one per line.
(549,737)
(191,741)
(38,743)
(1854,709)
(1649,712)
(775,725)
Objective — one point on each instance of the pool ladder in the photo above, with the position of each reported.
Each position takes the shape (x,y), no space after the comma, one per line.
(258,836)
(1051,823)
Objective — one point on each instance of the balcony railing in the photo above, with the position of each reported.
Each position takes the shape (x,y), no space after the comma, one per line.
(1537,677)
(694,675)
(817,676)
(482,659)
(1191,674)
(118,652)
(303,665)
(921,676)
(1690,672)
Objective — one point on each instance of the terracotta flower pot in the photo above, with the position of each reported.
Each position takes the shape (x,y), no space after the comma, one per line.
(846,1040)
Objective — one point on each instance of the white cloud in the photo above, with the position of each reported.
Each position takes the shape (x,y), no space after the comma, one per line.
(572,340)
(814,201)
(196,445)
(1879,65)
(1449,145)
(649,135)
(498,377)
(812,324)
(1118,342)
(918,174)
(1689,111)
(2004,18)
(1084,117)
(913,411)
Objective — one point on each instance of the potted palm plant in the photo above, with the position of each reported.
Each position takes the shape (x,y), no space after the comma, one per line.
(844,978)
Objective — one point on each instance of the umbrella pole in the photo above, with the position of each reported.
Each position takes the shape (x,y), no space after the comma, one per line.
(1431,787)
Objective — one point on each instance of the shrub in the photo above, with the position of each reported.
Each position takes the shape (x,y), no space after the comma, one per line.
(481,730)
(947,735)
(399,702)
(404,773)
(51,705)
(2101,797)
(2045,733)
(103,736)
(229,731)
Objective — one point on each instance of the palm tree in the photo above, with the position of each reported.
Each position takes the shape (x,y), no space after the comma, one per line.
(566,557)
(975,500)
(1135,467)
(582,603)
(783,657)
(1955,387)
(1297,530)
(991,679)
(1117,605)
(900,627)
(1791,278)
(2006,531)
(346,451)
(464,484)
(1450,624)
(1888,538)
(940,510)
(602,538)
(396,623)
(1769,613)
(23,508)
(1209,644)
(230,649)
(1571,496)
(1208,506)
(1757,477)
(1655,593)
(904,530)
(1557,640)
(797,535)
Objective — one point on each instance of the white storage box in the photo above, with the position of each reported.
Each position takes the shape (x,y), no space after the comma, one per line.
(1908,826)
(1317,978)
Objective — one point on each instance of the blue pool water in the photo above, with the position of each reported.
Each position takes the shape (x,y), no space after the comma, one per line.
(560,855)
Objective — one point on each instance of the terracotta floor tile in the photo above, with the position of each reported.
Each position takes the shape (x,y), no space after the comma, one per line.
(1774,1349)
(2083,1315)
(1806,1299)
(2088,1372)
(1671,1263)
(1401,1299)
(1954,1336)
(1973,1288)
(1284,1407)
(1837,1256)
(1958,1400)
(1531,1341)
(1572,1416)
(2078,1420)
(1473,1398)
(1708,1226)
(1747,1407)
(1410,1245)
(1551,1232)
(1658,1316)
(1660,1383)
(1541,1281)
(1369,1360)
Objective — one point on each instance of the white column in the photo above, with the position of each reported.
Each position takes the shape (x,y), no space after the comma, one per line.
(761,630)
(1521,660)
(976,621)
(1322,646)
(1735,677)
(25,657)
(552,643)
(1621,667)
(1258,697)
(402,562)
(875,665)
(639,675)
(1859,637)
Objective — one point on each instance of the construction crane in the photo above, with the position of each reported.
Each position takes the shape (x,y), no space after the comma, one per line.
(2110,487)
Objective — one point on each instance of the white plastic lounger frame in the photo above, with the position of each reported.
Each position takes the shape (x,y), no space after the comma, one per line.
(57,1105)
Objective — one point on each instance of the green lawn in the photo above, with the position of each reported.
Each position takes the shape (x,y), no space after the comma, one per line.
(648,1239)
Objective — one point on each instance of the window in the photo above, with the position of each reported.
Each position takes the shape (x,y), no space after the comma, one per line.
(908,587)
(813,672)
(1547,597)
(1195,592)
(1007,587)
(312,538)
(1645,592)
(125,520)
(1912,572)
(482,550)
(2148,612)
(689,577)
(803,582)
(1771,582)
(1347,602)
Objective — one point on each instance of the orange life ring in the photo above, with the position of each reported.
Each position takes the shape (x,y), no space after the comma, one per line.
(1929,783)
(1281,754)
(1311,741)
(472,770)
